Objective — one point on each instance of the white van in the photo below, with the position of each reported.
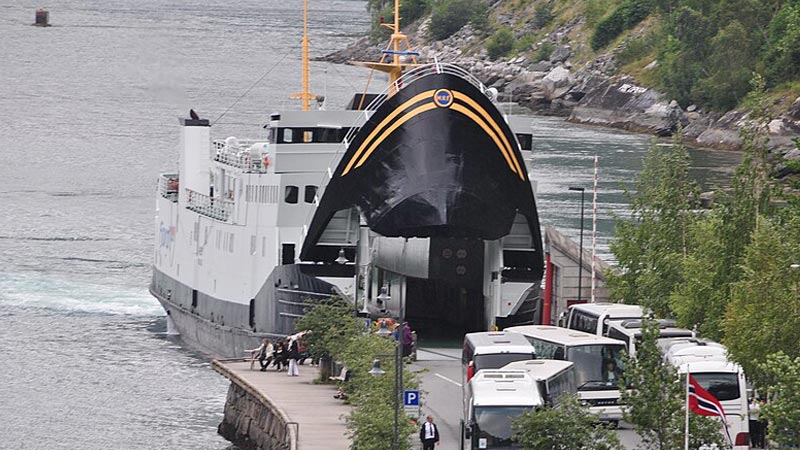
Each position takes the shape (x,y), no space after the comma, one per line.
(492,350)
(709,365)
(554,378)
(598,364)
(630,332)
(495,399)
(594,318)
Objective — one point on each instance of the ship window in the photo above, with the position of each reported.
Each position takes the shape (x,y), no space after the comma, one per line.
(311,192)
(194,298)
(308,136)
(525,141)
(271,135)
(252,244)
(287,135)
(252,314)
(287,254)
(291,194)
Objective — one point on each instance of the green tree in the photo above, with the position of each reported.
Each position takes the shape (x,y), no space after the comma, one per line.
(763,316)
(371,423)
(783,410)
(657,401)
(500,43)
(570,426)
(731,63)
(332,325)
(449,16)
(651,245)
(718,239)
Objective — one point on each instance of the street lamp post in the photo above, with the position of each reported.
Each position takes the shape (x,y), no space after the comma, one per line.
(398,372)
(580,251)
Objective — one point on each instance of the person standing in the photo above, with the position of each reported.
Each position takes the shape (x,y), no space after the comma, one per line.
(294,352)
(408,340)
(429,434)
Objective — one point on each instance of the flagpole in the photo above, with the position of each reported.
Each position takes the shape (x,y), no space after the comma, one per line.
(687,407)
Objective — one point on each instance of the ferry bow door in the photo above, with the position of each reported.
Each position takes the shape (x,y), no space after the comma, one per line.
(449,302)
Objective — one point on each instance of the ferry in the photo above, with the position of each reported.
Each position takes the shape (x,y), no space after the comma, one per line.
(414,203)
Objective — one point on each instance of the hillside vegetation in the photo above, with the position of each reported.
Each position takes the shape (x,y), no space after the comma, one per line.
(706,52)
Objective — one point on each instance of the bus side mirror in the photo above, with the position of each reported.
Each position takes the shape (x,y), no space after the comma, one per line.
(468,430)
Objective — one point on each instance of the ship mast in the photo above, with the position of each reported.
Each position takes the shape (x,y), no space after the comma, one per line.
(398,47)
(306,96)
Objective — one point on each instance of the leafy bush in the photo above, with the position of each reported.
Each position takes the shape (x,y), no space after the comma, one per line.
(544,52)
(783,58)
(566,427)
(500,43)
(624,17)
(332,324)
(449,16)
(542,14)
(524,43)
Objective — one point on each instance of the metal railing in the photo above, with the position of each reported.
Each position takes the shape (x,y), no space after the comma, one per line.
(239,156)
(211,207)
(168,184)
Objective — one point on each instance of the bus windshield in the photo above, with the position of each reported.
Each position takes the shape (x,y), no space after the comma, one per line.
(722,385)
(498,360)
(493,424)
(597,367)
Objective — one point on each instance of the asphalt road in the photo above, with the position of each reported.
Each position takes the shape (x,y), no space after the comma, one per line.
(439,371)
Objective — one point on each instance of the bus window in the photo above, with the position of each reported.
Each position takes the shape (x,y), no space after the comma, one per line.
(597,366)
(493,423)
(583,322)
(498,360)
(723,386)
(544,349)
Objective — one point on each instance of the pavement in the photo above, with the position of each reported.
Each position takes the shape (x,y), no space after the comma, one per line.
(439,371)
(320,416)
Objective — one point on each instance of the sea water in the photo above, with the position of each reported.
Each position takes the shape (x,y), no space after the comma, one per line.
(88,119)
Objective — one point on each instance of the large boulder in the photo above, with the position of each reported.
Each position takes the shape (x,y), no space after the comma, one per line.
(623,104)
(560,54)
(557,83)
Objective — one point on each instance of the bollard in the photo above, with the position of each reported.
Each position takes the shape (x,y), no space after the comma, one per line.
(42,18)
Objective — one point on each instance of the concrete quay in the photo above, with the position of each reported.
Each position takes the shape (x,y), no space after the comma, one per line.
(270,410)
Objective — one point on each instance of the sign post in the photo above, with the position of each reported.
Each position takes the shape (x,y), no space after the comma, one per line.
(411,403)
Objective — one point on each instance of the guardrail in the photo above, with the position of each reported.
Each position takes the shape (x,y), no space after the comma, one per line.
(238,155)
(167,185)
(211,207)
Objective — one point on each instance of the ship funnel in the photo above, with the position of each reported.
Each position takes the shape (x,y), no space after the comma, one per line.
(195,157)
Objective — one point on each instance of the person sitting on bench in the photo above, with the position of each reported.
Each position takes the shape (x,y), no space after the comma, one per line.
(264,353)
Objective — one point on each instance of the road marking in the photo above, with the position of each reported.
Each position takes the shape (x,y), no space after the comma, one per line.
(447,379)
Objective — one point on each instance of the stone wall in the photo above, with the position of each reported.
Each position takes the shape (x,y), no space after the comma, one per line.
(252,423)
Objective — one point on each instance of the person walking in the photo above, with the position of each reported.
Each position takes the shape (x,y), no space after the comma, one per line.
(293,353)
(429,434)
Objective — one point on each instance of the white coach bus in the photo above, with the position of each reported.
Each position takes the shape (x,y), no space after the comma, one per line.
(598,364)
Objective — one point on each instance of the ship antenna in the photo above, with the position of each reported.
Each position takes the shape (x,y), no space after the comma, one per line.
(305,95)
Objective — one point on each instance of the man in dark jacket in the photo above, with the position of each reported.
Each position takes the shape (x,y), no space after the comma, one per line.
(429,434)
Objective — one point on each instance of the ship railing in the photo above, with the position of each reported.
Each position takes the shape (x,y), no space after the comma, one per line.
(168,184)
(215,208)
(239,156)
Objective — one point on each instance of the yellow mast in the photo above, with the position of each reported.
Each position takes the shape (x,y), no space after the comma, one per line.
(398,46)
(305,95)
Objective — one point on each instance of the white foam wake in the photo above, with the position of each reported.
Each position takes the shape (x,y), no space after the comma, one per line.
(40,291)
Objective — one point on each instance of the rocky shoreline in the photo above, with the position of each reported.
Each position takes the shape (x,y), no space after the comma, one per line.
(592,95)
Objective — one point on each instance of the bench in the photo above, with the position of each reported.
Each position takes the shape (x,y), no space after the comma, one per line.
(344,375)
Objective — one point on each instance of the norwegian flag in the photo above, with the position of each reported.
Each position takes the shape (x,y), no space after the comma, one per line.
(701,402)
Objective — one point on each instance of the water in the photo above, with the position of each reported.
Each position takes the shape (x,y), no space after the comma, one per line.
(88,118)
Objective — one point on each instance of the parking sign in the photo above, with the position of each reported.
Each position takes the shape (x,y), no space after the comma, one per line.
(410,398)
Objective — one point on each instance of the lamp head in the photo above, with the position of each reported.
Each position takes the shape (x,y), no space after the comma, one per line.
(376,370)
(342,259)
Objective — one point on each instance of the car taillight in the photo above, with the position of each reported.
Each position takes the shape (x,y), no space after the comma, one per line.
(743,439)
(470,371)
